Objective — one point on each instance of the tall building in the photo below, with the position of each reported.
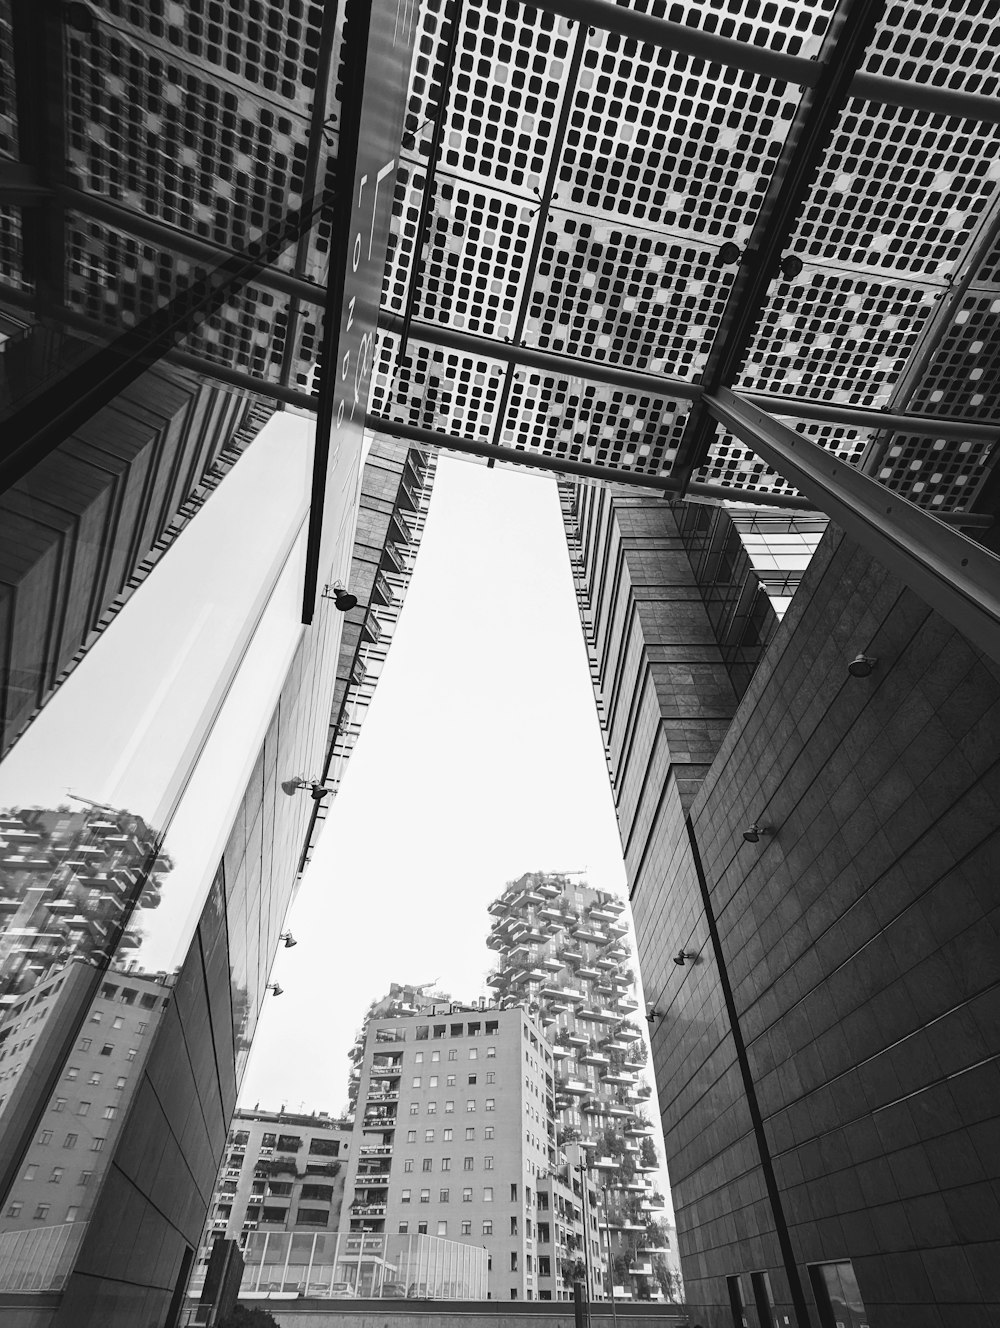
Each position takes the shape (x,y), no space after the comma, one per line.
(282,1171)
(807,832)
(455,1138)
(563,954)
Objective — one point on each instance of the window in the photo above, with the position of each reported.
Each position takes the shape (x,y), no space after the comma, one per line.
(56,1176)
(421,1228)
(444,1196)
(428,1164)
(467,1195)
(513,1290)
(435,1056)
(442,1228)
(467,1228)
(473,1053)
(428,1136)
(425,1196)
(85,1177)
(450,1081)
(320,1193)
(487,1226)
(404,1196)
(449,1105)
(96,1017)
(312,1217)
(411,1136)
(73,1072)
(446,1164)
(41,1212)
(513,1226)
(419,1057)
(121,1081)
(59,1104)
(513,1194)
(404,1228)
(85,1044)
(470,1104)
(70,1141)
(133,1052)
(490,1103)
(453,1054)
(433,1081)
(470,1132)
(97,1146)
(487,1164)
(468,1164)
(141,1029)
(107,1049)
(491,1076)
(30,1171)
(488,1194)
(83,1108)
(325,1147)
(513,1267)
(15,1210)
(472,1078)
(45,1137)
(110,1113)
(488,1132)
(117,1022)
(414,1108)
(408,1164)
(432,1108)
(417,1081)
(447,1135)
(491,1053)
(95,1078)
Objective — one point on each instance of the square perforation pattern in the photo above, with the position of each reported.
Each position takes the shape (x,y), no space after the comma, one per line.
(731,462)
(796,27)
(408,192)
(272,46)
(963,378)
(564,417)
(625,297)
(476,259)
(836,336)
(950,43)
(938,473)
(899,190)
(437,388)
(669,140)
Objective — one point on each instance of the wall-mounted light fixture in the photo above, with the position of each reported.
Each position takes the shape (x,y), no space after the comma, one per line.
(754,831)
(273,986)
(342,598)
(288,938)
(317,790)
(861,666)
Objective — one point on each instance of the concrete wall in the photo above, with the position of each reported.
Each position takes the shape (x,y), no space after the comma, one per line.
(463,1314)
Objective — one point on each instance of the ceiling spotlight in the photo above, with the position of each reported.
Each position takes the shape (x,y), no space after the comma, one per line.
(273,986)
(342,598)
(790,266)
(861,666)
(288,938)
(681,958)
(729,253)
(753,833)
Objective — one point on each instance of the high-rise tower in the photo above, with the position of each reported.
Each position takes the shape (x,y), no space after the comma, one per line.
(563,954)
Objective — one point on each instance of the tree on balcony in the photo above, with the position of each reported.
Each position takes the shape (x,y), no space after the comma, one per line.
(647,1152)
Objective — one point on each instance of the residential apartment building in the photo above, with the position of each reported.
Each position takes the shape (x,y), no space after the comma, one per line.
(455,1138)
(282,1171)
(563,954)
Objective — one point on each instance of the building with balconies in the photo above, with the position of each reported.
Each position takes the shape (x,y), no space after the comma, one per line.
(282,1171)
(575,981)
(456,1139)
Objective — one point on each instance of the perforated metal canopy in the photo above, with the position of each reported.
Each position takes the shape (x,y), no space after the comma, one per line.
(600,208)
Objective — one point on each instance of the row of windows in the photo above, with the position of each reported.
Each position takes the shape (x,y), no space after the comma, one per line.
(82,1109)
(427,1164)
(435,1056)
(73,1072)
(42,1211)
(432,1082)
(425,1195)
(31,1171)
(449,1106)
(442,1228)
(448,1134)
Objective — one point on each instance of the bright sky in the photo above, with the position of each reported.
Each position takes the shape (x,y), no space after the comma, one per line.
(480,759)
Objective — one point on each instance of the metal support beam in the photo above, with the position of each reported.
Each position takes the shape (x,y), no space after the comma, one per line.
(177,241)
(797,70)
(954,575)
(632,380)
(848,36)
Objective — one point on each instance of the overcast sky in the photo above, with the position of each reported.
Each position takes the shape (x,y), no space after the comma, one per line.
(480,759)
